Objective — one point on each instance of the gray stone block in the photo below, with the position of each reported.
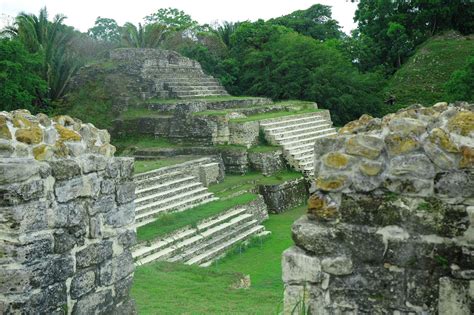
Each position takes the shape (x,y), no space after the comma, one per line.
(64,169)
(85,186)
(94,303)
(112,271)
(92,163)
(93,254)
(121,216)
(82,282)
(125,192)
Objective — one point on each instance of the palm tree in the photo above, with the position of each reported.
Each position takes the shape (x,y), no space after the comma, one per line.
(51,40)
(225,31)
(148,36)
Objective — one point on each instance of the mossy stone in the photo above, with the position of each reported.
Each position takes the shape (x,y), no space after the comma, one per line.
(43,152)
(66,134)
(336,160)
(32,135)
(397,144)
(370,169)
(462,123)
(4,131)
(440,137)
(319,209)
(331,182)
(366,146)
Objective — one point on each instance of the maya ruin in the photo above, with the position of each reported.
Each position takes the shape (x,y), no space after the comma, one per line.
(146,181)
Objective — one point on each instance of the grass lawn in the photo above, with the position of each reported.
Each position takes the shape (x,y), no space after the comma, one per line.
(168,223)
(145,166)
(232,184)
(167,288)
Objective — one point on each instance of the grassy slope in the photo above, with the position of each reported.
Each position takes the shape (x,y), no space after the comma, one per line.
(148,165)
(421,79)
(166,288)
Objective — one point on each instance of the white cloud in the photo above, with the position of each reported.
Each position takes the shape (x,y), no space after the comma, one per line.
(82,14)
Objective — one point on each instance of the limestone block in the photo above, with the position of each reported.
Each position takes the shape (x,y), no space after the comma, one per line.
(267,163)
(407,126)
(17,170)
(99,302)
(52,270)
(398,144)
(462,123)
(365,146)
(209,173)
(15,194)
(4,130)
(6,149)
(14,279)
(440,158)
(299,267)
(82,282)
(455,183)
(366,183)
(27,251)
(66,239)
(49,300)
(121,215)
(107,187)
(336,160)
(338,266)
(64,168)
(85,186)
(415,165)
(330,182)
(112,271)
(93,254)
(125,192)
(32,135)
(322,207)
(467,157)
(92,163)
(123,287)
(26,217)
(315,238)
(96,226)
(127,238)
(453,297)
(409,186)
(66,134)
(69,214)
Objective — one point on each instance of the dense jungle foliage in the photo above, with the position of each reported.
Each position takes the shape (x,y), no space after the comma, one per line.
(303,55)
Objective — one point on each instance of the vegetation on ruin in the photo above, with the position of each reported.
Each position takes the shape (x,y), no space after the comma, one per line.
(269,115)
(127,144)
(167,223)
(149,165)
(199,290)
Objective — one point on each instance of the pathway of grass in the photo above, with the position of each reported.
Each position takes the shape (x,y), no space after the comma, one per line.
(170,288)
(149,165)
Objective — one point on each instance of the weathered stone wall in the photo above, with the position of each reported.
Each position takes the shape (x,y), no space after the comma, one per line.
(267,163)
(390,223)
(284,196)
(65,221)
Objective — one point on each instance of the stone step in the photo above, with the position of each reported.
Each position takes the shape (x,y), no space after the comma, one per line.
(150,190)
(229,231)
(197,93)
(167,193)
(298,131)
(157,180)
(197,87)
(186,80)
(177,207)
(297,125)
(305,149)
(170,199)
(201,95)
(290,120)
(171,248)
(221,249)
(309,140)
(143,250)
(304,136)
(172,168)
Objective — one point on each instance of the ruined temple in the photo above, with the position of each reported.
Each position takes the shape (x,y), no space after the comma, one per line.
(390,222)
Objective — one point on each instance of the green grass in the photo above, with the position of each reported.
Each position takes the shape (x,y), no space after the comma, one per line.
(264,148)
(145,166)
(170,288)
(238,183)
(276,114)
(168,223)
(421,79)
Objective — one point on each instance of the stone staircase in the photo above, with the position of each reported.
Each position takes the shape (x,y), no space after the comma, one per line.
(202,244)
(170,189)
(297,135)
(186,86)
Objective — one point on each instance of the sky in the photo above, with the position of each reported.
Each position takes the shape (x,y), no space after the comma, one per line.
(82,13)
